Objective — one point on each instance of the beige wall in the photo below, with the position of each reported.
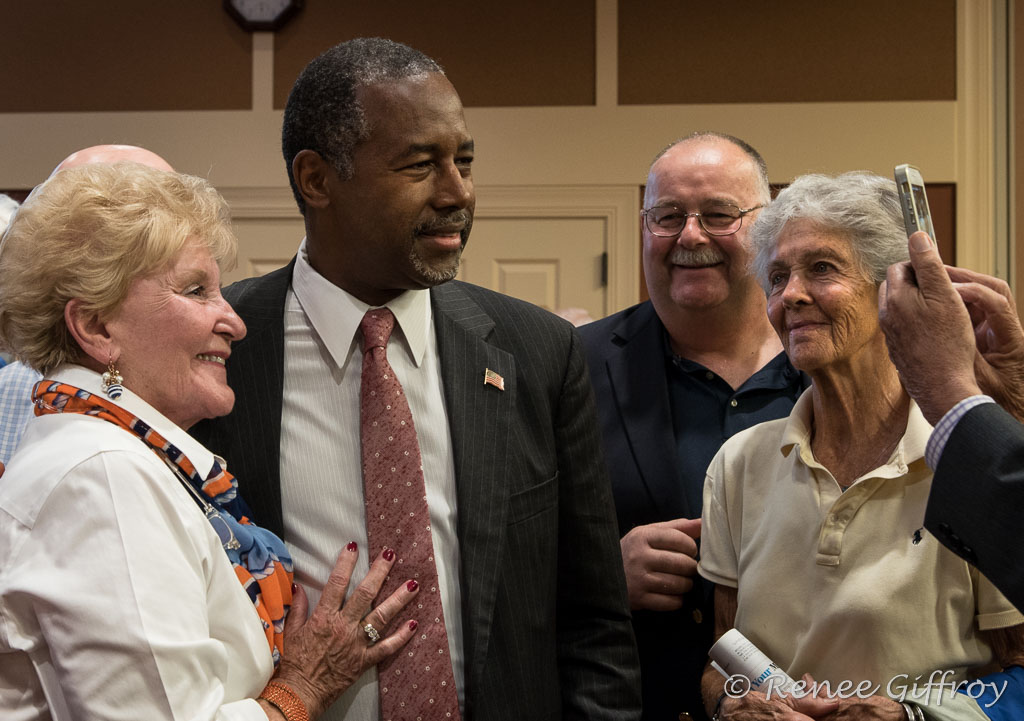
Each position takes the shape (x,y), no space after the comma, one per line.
(1016,185)
(945,129)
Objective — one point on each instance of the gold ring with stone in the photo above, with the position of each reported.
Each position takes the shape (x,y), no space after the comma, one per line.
(371,633)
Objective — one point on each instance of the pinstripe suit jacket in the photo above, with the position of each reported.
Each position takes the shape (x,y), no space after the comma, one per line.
(547,629)
(627,361)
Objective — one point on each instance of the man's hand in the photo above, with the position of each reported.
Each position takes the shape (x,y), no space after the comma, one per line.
(928,329)
(660,561)
(999,362)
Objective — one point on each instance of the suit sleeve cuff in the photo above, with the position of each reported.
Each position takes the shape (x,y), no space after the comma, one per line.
(944,428)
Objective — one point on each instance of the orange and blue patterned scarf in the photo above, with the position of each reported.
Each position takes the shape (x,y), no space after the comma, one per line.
(260,559)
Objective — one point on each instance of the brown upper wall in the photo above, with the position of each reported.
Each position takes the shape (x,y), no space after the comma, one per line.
(526,53)
(752,51)
(126,55)
(123,55)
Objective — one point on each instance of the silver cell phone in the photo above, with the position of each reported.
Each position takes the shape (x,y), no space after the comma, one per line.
(913,200)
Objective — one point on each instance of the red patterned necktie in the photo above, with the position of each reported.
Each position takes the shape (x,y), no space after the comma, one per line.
(416,684)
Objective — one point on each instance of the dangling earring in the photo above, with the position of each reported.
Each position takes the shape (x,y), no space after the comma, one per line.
(112,381)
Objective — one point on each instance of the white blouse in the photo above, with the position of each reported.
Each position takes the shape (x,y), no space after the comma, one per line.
(117,600)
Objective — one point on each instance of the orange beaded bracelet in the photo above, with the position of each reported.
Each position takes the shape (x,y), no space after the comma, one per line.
(285,700)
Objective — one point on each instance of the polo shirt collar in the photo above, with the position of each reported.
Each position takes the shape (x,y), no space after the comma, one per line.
(776,374)
(910,449)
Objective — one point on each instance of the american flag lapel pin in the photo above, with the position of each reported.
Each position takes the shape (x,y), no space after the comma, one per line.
(493,379)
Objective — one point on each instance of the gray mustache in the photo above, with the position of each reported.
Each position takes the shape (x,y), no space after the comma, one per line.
(459,217)
(702,256)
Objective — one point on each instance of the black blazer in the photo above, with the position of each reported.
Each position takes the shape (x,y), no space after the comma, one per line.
(976,505)
(626,355)
(547,633)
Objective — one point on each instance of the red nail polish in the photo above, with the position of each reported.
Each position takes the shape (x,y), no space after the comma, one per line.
(295,589)
(412,586)
(412,625)
(389,554)
(352,546)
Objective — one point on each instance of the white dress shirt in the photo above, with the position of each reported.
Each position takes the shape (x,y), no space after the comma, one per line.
(321,467)
(117,600)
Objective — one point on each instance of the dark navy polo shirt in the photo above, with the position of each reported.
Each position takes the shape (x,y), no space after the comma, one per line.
(706,411)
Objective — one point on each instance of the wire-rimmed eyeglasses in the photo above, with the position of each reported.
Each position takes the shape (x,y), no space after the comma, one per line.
(668,221)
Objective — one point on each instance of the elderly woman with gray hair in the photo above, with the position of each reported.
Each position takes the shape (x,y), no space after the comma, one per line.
(812,528)
(132,586)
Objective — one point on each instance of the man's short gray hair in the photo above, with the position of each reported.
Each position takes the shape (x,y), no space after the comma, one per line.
(861,206)
(764,191)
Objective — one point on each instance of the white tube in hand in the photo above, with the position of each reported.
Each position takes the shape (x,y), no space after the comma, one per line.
(734,654)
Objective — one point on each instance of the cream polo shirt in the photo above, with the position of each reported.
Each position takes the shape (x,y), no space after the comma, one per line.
(845,586)
(117,600)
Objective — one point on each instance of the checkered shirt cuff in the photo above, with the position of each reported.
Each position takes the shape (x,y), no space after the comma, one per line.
(944,428)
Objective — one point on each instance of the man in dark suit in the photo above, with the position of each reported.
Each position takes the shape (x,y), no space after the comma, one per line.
(521,515)
(675,377)
(955,336)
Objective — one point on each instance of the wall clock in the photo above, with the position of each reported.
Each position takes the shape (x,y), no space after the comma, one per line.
(262,15)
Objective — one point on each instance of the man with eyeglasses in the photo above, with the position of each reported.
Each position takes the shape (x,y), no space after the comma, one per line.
(675,377)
